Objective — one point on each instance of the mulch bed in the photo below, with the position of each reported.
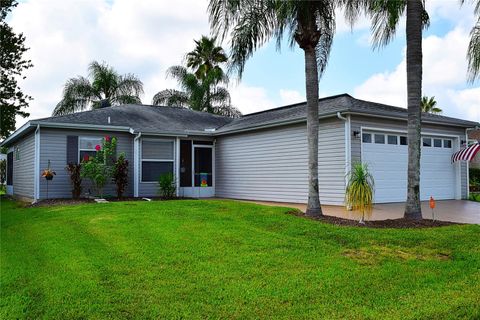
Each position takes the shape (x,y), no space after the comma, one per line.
(63,202)
(390,223)
(60,202)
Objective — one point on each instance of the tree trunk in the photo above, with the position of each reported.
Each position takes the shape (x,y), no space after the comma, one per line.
(311,81)
(414,90)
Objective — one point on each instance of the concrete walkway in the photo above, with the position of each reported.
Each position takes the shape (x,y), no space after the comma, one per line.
(447,210)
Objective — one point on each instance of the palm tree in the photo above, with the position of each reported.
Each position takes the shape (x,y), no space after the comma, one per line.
(308,24)
(205,57)
(429,105)
(385,15)
(104,88)
(201,94)
(473,52)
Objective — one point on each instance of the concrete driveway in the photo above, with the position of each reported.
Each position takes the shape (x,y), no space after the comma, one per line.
(447,210)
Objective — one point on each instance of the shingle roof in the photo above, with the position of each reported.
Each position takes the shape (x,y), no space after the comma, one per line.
(330,106)
(180,121)
(145,118)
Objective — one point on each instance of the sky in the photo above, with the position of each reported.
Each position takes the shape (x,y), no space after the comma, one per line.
(145,37)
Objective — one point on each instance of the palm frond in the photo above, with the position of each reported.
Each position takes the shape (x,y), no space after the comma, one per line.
(171,98)
(77,95)
(473,51)
(105,79)
(227,111)
(129,88)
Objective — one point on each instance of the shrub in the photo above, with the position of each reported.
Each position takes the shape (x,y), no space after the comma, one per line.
(98,169)
(120,175)
(3,171)
(167,187)
(359,191)
(474,197)
(74,169)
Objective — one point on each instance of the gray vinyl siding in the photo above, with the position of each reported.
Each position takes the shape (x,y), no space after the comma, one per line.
(53,147)
(362,121)
(150,189)
(24,167)
(272,164)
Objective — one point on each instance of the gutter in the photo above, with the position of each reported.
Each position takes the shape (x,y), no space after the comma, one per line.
(272,124)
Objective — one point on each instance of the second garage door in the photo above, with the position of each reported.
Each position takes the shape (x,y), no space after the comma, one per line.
(387,157)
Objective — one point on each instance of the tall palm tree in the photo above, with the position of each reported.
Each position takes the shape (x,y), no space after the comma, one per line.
(308,24)
(104,88)
(206,56)
(201,94)
(385,15)
(429,105)
(473,52)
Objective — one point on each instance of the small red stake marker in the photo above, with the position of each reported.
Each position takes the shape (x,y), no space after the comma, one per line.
(432,206)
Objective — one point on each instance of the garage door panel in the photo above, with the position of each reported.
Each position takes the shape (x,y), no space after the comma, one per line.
(388,164)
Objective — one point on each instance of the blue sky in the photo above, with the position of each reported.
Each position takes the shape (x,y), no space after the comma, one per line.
(145,37)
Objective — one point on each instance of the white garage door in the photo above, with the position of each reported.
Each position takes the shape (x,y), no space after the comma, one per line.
(387,154)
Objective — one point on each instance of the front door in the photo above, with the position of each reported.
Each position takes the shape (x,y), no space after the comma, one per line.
(196,169)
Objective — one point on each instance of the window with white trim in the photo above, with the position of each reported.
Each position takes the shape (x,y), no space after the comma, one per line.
(392,139)
(447,143)
(86,147)
(367,138)
(379,138)
(427,142)
(157,159)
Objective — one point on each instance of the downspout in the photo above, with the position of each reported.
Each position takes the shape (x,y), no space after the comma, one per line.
(348,145)
(136,160)
(468,164)
(36,175)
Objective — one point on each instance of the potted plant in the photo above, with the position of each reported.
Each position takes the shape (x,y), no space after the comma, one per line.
(48,173)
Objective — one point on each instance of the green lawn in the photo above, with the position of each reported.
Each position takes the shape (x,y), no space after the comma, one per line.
(226,259)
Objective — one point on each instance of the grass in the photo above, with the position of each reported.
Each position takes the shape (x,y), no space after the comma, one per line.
(227,259)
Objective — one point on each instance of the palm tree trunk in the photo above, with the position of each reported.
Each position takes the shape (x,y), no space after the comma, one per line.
(414,91)
(311,79)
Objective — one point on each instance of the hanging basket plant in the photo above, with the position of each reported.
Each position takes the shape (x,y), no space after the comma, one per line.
(48,173)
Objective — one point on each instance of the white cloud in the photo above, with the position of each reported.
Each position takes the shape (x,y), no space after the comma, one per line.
(444,76)
(250,99)
(291,96)
(140,37)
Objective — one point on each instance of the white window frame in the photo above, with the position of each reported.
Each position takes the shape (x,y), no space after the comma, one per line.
(155,160)
(80,149)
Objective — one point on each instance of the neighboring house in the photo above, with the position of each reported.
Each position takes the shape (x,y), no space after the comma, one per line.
(260,156)
(475,136)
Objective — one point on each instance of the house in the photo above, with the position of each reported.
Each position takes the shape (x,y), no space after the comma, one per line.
(260,156)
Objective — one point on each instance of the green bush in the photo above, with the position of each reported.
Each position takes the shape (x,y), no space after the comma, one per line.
(99,169)
(474,174)
(167,188)
(474,197)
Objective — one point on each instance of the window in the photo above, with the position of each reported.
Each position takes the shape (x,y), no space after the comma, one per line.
(403,141)
(437,143)
(367,138)
(380,138)
(427,142)
(86,147)
(392,140)
(447,143)
(157,159)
